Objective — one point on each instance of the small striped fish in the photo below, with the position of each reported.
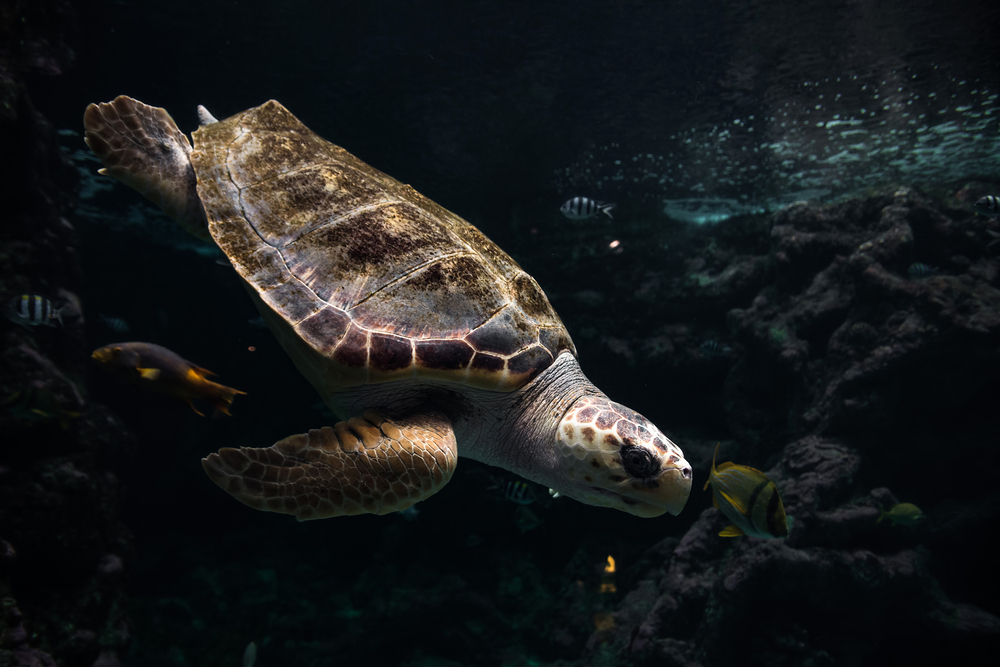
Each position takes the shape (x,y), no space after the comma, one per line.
(919,270)
(581,208)
(32,310)
(990,204)
(519,492)
(714,347)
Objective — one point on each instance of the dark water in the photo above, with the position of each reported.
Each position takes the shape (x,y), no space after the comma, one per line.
(685,114)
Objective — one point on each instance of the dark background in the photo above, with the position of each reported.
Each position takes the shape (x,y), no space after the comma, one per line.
(477,105)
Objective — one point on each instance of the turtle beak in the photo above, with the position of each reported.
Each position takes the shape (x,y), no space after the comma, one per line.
(653,497)
(674,486)
(667,492)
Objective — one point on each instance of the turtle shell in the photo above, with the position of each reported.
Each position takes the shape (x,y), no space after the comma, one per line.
(362,278)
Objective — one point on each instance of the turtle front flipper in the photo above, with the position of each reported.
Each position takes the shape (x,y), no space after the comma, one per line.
(142,147)
(366,465)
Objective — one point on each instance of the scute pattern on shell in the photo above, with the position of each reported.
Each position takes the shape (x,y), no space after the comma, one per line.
(365,279)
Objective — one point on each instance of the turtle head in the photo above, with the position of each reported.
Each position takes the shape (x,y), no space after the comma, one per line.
(611,456)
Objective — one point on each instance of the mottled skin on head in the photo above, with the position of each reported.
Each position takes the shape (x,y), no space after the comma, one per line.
(393,308)
(613,456)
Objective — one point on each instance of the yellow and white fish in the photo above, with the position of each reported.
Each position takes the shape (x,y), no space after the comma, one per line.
(749,499)
(38,405)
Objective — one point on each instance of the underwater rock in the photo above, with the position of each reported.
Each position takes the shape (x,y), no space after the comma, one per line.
(106,659)
(815,472)
(844,318)
(852,360)
(14,647)
(708,604)
(58,500)
(805,236)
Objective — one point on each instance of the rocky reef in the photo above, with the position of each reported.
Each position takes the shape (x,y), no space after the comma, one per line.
(63,547)
(862,372)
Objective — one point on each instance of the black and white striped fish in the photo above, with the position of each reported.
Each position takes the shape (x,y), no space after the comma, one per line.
(919,270)
(990,204)
(581,208)
(519,492)
(714,347)
(32,310)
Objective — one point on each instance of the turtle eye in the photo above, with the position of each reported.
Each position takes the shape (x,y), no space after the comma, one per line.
(638,462)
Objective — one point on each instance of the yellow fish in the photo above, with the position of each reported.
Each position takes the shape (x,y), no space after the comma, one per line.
(749,499)
(903,514)
(159,369)
(37,405)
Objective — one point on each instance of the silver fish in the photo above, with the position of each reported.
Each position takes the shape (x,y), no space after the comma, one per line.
(581,208)
(250,655)
(115,323)
(32,310)
(410,513)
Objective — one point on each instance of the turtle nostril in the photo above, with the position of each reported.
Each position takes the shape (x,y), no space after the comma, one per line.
(686,473)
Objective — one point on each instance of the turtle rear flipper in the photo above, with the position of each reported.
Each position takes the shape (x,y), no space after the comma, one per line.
(367,465)
(142,147)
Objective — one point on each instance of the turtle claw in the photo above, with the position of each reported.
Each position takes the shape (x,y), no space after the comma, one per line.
(367,465)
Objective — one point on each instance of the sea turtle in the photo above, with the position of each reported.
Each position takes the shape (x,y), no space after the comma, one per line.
(427,338)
